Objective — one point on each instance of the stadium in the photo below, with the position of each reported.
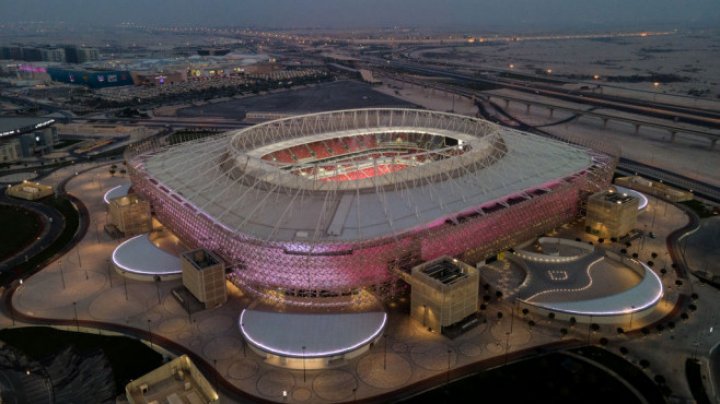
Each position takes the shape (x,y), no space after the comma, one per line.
(322,209)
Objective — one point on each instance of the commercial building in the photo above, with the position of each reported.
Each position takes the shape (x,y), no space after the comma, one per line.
(611,214)
(91,78)
(203,274)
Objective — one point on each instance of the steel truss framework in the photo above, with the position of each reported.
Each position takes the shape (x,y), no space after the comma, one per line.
(185,182)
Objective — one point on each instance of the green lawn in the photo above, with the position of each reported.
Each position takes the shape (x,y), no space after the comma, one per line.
(24,226)
(554,378)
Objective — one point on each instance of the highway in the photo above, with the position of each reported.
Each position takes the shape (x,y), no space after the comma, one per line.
(709,119)
(625,166)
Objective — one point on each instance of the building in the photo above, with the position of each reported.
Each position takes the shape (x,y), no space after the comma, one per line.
(91,78)
(155,78)
(312,210)
(130,215)
(203,274)
(30,191)
(611,214)
(178,381)
(654,188)
(26,137)
(75,54)
(444,293)
(10,151)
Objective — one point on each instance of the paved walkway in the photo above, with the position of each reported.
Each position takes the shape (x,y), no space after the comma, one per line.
(410,356)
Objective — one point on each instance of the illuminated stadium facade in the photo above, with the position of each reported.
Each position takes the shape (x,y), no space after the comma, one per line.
(313,209)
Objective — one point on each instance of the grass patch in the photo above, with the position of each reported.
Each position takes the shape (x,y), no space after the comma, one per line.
(699,208)
(694,378)
(552,378)
(25,227)
(128,357)
(629,372)
(72,221)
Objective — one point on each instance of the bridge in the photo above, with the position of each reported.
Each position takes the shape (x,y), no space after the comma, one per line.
(673,130)
(475,95)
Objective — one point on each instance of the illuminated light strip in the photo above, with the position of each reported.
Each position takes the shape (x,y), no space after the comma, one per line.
(580,289)
(295,354)
(649,303)
(105,197)
(135,270)
(643,199)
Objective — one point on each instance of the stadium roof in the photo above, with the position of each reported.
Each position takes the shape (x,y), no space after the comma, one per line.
(224,178)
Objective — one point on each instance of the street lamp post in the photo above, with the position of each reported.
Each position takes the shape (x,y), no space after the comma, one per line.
(244,342)
(303,361)
(77,250)
(447,374)
(77,323)
(107,261)
(62,274)
(149,322)
(125,284)
(385,352)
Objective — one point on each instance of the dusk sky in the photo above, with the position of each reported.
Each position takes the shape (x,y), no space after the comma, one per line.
(476,14)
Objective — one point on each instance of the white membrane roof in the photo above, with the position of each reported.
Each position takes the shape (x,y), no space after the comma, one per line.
(270,204)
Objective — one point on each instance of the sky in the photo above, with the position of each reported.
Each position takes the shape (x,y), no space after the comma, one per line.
(461,14)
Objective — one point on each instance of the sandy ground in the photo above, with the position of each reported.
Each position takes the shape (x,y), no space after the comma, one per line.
(688,155)
(693,56)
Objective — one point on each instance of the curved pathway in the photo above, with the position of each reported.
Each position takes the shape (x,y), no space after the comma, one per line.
(403,366)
